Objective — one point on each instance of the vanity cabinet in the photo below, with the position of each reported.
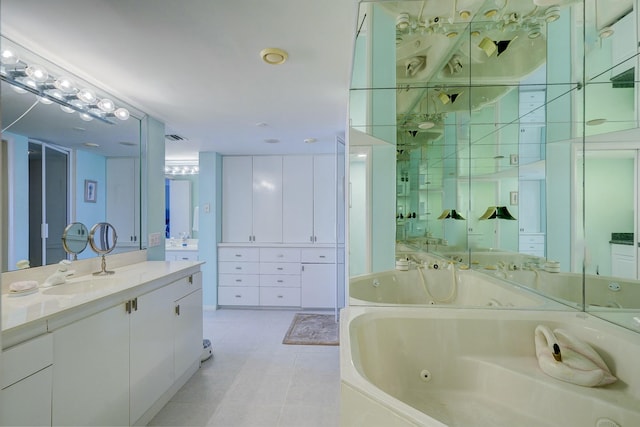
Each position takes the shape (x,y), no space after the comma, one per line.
(25,383)
(111,367)
(123,199)
(309,199)
(252,199)
(623,261)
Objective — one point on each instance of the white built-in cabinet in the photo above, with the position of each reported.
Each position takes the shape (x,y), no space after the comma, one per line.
(309,199)
(623,261)
(123,199)
(318,278)
(111,367)
(252,199)
(25,383)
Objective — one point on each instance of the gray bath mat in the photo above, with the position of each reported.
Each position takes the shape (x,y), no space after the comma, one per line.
(312,329)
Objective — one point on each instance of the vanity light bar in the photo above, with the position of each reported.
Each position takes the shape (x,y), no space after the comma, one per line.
(38,81)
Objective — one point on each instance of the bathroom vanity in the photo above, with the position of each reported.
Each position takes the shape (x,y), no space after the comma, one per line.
(101,350)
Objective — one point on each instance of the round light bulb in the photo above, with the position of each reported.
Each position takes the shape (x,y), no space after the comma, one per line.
(67,109)
(86,117)
(106,105)
(18,89)
(121,113)
(37,73)
(87,96)
(45,100)
(65,85)
(9,57)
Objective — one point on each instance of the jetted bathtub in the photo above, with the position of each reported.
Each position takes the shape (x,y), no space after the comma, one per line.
(406,366)
(440,287)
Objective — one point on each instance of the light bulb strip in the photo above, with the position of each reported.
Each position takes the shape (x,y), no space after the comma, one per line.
(10,76)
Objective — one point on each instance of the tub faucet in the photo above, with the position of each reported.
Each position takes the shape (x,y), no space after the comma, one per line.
(60,275)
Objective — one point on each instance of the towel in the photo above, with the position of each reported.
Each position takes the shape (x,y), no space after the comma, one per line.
(196,219)
(23,286)
(570,359)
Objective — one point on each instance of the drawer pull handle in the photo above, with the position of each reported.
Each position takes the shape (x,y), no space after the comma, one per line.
(280,296)
(322,256)
(238,280)
(280,268)
(185,258)
(280,281)
(239,255)
(238,296)
(280,255)
(238,268)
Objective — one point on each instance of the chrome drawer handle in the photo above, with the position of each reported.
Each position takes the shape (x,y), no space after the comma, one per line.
(238,296)
(238,280)
(280,268)
(238,268)
(280,281)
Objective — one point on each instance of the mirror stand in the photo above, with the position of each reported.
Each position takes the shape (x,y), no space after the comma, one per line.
(102,239)
(104,270)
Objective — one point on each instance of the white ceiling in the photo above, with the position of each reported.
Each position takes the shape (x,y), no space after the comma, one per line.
(195,65)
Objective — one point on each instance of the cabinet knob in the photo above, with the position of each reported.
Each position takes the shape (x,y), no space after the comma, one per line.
(238,296)
(280,281)
(238,280)
(238,268)
(280,268)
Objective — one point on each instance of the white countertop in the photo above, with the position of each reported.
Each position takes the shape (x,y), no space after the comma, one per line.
(180,248)
(30,315)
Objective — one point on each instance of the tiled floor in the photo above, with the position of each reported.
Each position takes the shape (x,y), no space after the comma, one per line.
(255,380)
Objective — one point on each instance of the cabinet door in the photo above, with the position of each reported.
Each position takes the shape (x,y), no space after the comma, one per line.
(151,349)
(122,201)
(297,199)
(27,402)
(324,199)
(318,285)
(91,371)
(187,331)
(237,199)
(267,199)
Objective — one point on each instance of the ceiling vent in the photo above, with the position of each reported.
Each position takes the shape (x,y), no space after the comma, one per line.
(174,138)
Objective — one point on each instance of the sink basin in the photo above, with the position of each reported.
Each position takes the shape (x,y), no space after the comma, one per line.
(81,286)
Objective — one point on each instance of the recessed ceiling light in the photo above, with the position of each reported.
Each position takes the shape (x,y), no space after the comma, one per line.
(491,12)
(273,55)
(606,32)
(310,140)
(272,141)
(426,125)
(465,14)
(91,144)
(261,124)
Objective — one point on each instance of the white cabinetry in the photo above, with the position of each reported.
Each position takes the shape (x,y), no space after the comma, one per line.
(238,276)
(187,325)
(532,244)
(280,277)
(252,199)
(181,255)
(123,199)
(25,383)
(91,371)
(623,261)
(318,278)
(110,368)
(324,199)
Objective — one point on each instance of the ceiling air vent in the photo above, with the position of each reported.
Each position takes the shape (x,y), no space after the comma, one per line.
(174,138)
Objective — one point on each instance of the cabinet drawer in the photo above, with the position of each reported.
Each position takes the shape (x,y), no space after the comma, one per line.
(181,256)
(280,280)
(238,279)
(237,295)
(289,297)
(239,254)
(318,255)
(239,267)
(279,255)
(24,359)
(279,268)
(186,285)
(531,239)
(532,247)
(623,250)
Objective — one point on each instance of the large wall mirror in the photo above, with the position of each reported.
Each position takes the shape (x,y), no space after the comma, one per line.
(73,155)
(513,128)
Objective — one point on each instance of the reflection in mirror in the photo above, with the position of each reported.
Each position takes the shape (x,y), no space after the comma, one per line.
(75,238)
(52,148)
(103,239)
(514,131)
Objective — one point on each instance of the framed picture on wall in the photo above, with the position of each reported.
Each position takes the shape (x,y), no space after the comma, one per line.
(90,190)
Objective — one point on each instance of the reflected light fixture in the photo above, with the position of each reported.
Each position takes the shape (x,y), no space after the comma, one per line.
(185,167)
(499,212)
(273,56)
(606,32)
(450,213)
(61,90)
(552,14)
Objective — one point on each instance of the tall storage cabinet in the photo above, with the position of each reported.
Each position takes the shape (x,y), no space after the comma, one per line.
(324,199)
(252,199)
(123,199)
